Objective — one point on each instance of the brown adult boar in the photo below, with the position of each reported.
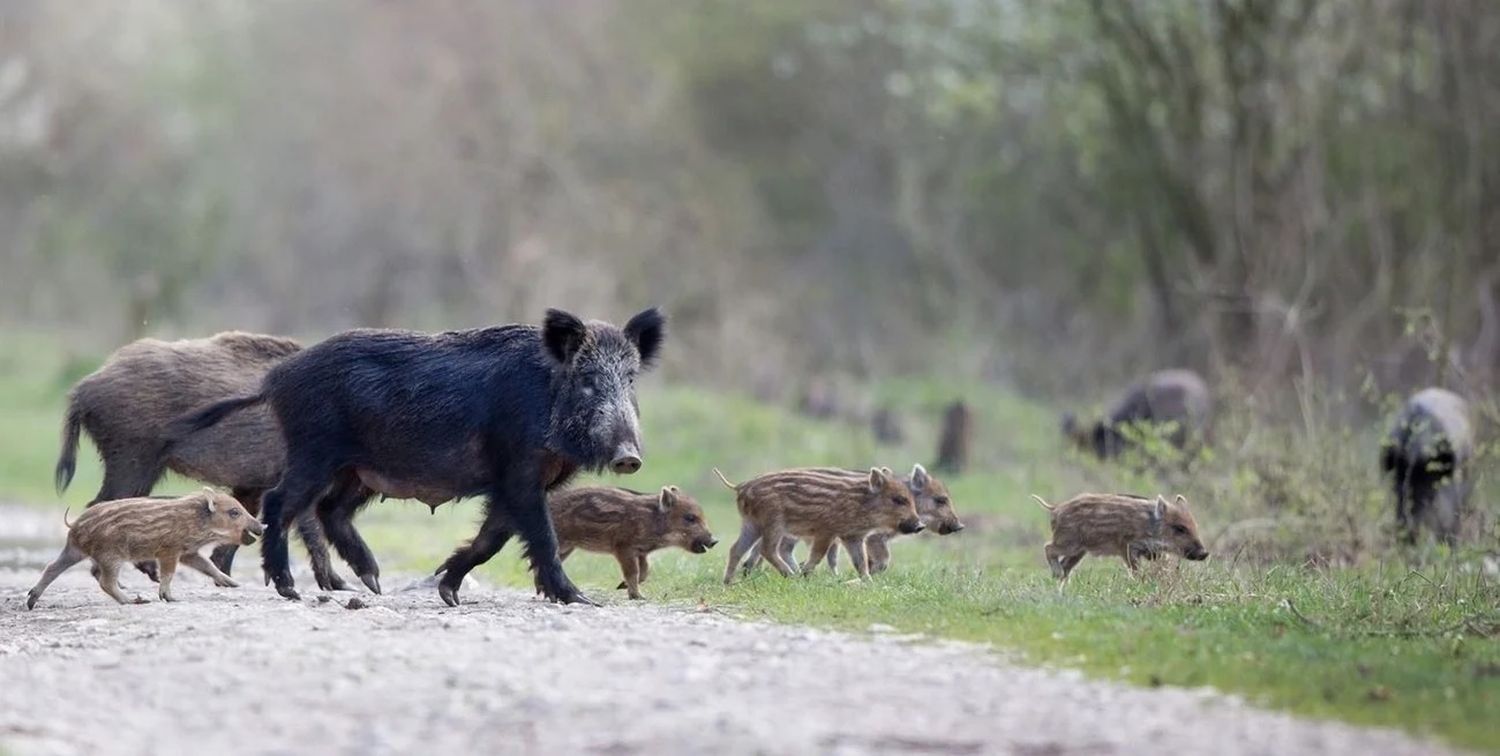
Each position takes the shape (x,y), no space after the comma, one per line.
(934,506)
(955,439)
(628,524)
(822,505)
(127,404)
(1175,400)
(1130,527)
(168,531)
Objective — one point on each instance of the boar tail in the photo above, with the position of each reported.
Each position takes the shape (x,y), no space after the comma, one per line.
(207,417)
(67,462)
(725,480)
(1042,502)
(67,524)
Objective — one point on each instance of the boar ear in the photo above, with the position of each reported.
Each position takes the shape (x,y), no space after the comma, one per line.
(647,330)
(919,477)
(1159,511)
(877,479)
(562,335)
(210,500)
(667,498)
(1181,501)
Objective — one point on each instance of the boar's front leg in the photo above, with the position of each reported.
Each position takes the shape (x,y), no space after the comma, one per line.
(196,561)
(109,580)
(878,551)
(749,535)
(632,571)
(166,564)
(855,545)
(642,565)
(820,548)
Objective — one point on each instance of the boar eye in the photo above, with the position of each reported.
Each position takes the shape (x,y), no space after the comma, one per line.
(690,519)
(940,500)
(234,514)
(1179,530)
(898,501)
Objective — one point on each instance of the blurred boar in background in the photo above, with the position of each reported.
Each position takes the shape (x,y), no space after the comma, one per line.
(166,530)
(1177,401)
(1130,527)
(886,425)
(823,505)
(127,405)
(509,411)
(628,524)
(1426,455)
(955,438)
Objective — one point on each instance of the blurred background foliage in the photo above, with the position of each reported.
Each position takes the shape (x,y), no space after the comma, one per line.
(1054,195)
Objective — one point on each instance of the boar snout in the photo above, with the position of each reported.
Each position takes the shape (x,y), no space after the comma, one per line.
(627,460)
(949,528)
(702,545)
(252,529)
(1197,554)
(911,525)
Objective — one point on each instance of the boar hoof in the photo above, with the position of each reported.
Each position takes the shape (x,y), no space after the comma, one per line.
(371,581)
(331,582)
(622,586)
(149,570)
(288,592)
(139,600)
(31,598)
(449,594)
(226,583)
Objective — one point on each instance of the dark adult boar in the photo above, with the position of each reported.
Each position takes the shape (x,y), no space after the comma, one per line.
(628,524)
(127,405)
(1426,454)
(1129,527)
(1175,398)
(169,531)
(508,411)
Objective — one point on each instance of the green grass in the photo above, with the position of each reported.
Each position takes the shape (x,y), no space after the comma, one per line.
(1378,641)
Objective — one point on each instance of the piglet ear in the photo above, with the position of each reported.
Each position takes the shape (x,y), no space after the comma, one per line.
(1181,501)
(210,500)
(562,335)
(667,498)
(877,480)
(1159,512)
(919,477)
(647,330)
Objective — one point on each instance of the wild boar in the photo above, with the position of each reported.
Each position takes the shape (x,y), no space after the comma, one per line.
(628,524)
(1426,454)
(508,411)
(1130,527)
(934,507)
(821,505)
(168,531)
(1177,400)
(955,439)
(127,405)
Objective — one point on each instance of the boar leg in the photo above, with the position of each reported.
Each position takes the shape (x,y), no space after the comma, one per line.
(109,580)
(127,476)
(770,550)
(855,545)
(644,565)
(879,551)
(749,534)
(70,556)
(336,515)
(299,489)
(167,563)
(196,561)
(820,547)
(632,571)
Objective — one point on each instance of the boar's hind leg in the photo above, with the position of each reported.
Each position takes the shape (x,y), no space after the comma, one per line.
(770,550)
(298,490)
(749,534)
(109,580)
(196,561)
(336,515)
(632,571)
(70,556)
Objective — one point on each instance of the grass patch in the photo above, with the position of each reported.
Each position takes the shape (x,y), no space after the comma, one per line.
(1369,635)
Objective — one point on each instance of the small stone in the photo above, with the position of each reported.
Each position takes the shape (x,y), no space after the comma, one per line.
(355,603)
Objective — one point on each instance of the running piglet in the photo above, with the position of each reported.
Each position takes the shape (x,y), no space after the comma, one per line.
(170,531)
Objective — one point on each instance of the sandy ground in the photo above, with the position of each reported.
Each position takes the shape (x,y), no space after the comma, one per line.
(242,671)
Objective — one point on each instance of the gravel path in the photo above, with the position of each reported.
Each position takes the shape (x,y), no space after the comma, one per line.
(242,671)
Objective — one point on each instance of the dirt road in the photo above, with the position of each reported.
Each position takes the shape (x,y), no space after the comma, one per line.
(242,671)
